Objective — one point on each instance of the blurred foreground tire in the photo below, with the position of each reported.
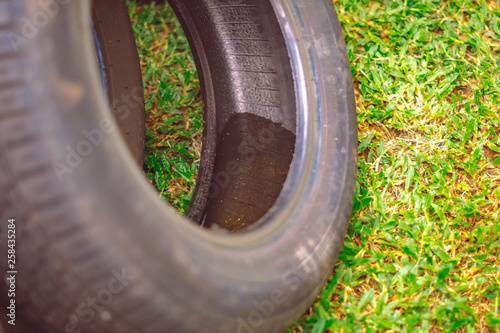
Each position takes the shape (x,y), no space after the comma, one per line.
(98,251)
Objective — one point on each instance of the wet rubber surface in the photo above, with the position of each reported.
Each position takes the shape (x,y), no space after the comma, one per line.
(253,159)
(244,67)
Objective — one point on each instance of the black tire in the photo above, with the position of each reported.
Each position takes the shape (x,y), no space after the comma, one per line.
(118,62)
(120,71)
(97,251)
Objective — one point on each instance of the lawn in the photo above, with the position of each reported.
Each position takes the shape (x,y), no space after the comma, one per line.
(422,251)
(174,119)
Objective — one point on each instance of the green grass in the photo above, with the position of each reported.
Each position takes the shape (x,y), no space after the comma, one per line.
(173,103)
(422,251)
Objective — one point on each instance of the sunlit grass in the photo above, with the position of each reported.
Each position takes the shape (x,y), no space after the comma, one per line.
(422,251)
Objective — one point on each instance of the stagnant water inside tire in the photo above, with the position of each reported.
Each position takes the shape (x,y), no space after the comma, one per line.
(252,163)
(253,153)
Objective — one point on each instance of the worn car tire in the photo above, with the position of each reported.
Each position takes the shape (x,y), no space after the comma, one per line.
(118,62)
(98,251)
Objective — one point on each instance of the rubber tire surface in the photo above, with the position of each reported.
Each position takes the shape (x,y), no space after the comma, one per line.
(121,71)
(122,83)
(98,251)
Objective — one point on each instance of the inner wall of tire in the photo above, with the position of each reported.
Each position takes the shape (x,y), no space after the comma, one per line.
(244,68)
(120,70)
